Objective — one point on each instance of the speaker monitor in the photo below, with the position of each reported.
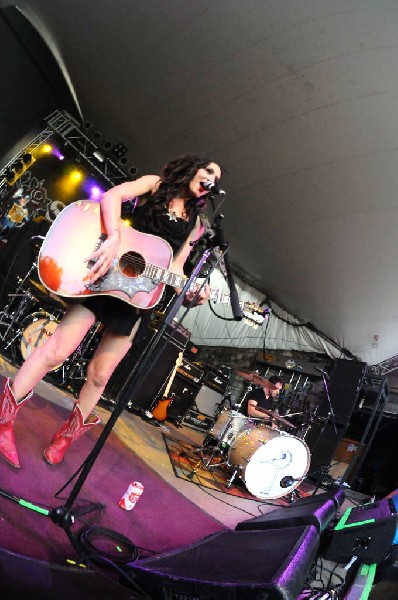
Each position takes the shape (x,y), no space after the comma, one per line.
(23,577)
(368,532)
(318,510)
(232,565)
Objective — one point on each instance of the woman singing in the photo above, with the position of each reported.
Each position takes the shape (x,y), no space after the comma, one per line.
(168,206)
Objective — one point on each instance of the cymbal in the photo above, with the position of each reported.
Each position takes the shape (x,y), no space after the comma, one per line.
(257,379)
(39,286)
(277,418)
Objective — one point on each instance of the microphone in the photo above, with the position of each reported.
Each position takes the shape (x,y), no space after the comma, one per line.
(287,481)
(321,371)
(210,186)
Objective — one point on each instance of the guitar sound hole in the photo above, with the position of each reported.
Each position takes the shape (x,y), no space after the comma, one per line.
(132,264)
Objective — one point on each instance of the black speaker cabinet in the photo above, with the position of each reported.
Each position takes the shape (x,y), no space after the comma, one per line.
(319,511)
(156,376)
(368,532)
(323,442)
(345,382)
(233,565)
(23,577)
(184,393)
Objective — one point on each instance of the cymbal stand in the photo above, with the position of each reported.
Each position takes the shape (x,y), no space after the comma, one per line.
(238,405)
(233,476)
(14,310)
(77,363)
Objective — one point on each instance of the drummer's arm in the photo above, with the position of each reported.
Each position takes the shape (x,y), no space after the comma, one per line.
(253,412)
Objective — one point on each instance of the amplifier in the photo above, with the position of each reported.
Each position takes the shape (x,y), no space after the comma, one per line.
(190,371)
(216,382)
(197,420)
(176,331)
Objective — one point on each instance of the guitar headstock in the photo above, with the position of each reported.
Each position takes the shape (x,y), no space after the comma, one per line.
(254,315)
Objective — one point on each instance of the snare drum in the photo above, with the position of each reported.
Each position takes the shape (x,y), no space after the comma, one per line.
(268,459)
(36,329)
(228,425)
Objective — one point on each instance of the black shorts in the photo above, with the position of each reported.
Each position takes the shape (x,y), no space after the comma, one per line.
(116,315)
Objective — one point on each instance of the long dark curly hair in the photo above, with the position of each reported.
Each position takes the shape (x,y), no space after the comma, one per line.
(174,181)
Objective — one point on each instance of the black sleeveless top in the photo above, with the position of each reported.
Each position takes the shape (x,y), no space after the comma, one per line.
(117,315)
(171,228)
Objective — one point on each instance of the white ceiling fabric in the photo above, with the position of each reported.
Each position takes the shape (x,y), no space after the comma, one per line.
(298,99)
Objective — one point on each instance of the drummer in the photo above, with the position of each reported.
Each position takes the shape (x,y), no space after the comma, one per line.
(264,397)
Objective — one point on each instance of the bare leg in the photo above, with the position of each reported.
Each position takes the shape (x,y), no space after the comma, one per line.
(108,355)
(65,339)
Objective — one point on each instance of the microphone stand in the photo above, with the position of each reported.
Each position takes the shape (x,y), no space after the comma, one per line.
(64,515)
(224,245)
(330,418)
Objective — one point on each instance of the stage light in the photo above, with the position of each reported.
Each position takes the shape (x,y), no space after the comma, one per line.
(58,154)
(18,168)
(132,170)
(9,176)
(99,156)
(95,192)
(119,150)
(47,149)
(28,159)
(76,175)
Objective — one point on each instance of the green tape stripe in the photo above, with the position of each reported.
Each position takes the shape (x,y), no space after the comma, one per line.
(38,509)
(343,519)
(370,572)
(342,524)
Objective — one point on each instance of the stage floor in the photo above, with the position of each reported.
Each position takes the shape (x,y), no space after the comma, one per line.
(179,505)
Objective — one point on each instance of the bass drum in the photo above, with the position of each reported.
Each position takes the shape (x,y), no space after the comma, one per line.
(36,329)
(268,459)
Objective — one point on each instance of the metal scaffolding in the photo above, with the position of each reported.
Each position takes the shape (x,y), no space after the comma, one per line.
(69,130)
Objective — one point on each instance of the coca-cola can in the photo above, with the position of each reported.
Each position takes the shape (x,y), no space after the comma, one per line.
(132,495)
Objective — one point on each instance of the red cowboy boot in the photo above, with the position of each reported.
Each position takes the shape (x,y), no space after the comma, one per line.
(70,431)
(9,409)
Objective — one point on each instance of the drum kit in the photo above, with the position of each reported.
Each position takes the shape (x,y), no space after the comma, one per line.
(270,461)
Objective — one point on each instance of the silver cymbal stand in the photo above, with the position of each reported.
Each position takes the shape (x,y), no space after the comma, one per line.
(15,307)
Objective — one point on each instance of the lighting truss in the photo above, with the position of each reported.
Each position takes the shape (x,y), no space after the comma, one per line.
(30,148)
(70,131)
(385,367)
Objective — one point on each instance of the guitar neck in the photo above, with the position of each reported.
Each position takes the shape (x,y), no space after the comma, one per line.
(165,276)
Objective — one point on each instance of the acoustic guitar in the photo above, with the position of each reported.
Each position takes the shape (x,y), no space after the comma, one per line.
(139,272)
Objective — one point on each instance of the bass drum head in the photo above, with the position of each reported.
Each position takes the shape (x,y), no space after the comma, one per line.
(267,456)
(36,329)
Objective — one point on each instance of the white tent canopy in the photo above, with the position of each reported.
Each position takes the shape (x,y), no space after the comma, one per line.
(298,100)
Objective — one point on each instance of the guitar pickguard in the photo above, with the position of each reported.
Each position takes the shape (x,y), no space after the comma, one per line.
(114,280)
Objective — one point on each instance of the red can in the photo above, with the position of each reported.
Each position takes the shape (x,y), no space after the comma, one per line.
(132,495)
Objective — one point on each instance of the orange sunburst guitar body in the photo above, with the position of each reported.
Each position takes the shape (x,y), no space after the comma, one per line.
(139,272)
(159,412)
